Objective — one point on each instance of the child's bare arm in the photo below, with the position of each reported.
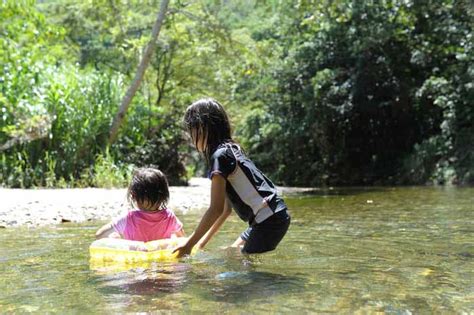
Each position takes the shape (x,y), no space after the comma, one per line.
(180,233)
(210,216)
(216,226)
(106,231)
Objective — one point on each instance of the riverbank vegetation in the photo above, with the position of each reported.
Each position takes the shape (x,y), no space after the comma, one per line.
(319,92)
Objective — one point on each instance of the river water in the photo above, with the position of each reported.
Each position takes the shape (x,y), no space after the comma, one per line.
(394,250)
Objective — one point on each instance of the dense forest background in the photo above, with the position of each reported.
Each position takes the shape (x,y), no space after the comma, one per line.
(319,92)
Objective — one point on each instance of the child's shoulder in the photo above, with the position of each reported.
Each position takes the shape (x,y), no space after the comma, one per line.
(222,151)
(228,150)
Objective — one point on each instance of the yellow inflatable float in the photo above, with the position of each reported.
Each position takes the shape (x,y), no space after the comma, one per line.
(107,251)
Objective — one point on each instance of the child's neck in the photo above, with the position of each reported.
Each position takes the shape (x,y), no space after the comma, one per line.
(157,209)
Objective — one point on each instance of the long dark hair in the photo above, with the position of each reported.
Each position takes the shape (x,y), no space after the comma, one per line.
(149,185)
(207,119)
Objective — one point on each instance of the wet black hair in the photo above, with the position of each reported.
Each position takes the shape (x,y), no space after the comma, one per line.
(208,119)
(149,185)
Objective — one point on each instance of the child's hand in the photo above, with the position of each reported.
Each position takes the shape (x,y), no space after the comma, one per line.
(114,235)
(138,247)
(183,250)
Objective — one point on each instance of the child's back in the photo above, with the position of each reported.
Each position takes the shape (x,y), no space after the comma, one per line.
(148,193)
(148,226)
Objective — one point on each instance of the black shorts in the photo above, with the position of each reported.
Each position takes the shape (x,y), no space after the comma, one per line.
(266,235)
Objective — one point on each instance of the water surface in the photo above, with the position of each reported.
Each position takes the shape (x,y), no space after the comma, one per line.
(392,250)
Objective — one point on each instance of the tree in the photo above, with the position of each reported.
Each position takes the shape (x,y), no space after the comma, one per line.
(140,72)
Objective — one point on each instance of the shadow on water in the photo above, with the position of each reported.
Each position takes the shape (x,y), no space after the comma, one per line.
(242,287)
(224,277)
(235,278)
(152,286)
(170,278)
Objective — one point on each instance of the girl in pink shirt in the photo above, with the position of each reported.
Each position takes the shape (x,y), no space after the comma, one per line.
(148,193)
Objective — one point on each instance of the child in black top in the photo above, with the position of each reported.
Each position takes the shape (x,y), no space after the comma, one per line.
(236,183)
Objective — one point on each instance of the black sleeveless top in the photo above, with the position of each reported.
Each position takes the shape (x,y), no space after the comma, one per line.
(252,195)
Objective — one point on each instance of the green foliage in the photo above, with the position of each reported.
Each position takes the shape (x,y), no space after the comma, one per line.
(108,174)
(162,147)
(56,116)
(320,92)
(25,39)
(360,85)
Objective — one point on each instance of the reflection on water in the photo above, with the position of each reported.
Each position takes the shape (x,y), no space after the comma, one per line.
(392,250)
(170,277)
(243,287)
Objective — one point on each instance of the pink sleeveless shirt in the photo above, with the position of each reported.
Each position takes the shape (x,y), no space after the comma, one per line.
(145,226)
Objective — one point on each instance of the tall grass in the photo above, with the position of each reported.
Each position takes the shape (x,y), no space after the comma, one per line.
(109,174)
(56,114)
(76,108)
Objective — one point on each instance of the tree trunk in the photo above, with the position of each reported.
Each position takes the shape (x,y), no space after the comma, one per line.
(127,99)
